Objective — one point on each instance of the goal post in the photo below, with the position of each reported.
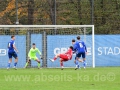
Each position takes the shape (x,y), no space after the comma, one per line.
(50,39)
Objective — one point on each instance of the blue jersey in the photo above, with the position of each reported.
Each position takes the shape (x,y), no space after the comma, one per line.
(10,46)
(79,47)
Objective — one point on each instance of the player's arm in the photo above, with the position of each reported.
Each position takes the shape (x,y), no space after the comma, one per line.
(74,47)
(85,48)
(29,53)
(39,53)
(15,47)
(8,45)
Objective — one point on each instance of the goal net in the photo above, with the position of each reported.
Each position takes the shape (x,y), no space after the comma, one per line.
(49,39)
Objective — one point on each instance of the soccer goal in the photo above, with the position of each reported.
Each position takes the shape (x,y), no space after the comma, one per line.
(49,39)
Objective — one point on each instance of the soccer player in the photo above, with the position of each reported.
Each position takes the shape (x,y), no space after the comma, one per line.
(12,52)
(81,50)
(32,55)
(74,51)
(64,57)
(76,61)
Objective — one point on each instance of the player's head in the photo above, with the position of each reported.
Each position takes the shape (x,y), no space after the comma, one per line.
(33,45)
(78,37)
(73,41)
(13,37)
(71,47)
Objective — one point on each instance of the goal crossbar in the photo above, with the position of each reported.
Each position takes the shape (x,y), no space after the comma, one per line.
(43,26)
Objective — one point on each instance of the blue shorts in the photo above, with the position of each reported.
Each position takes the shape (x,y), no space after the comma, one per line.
(12,54)
(81,54)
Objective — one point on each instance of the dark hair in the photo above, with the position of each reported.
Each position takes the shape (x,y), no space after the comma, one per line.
(33,44)
(73,40)
(12,36)
(78,37)
(71,47)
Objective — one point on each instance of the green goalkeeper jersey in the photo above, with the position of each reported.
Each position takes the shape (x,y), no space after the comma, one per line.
(32,52)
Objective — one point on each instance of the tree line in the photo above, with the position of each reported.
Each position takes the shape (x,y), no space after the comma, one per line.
(106,13)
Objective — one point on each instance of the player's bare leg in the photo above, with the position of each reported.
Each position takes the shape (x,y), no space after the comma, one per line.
(58,55)
(61,63)
(80,60)
(38,63)
(9,62)
(16,60)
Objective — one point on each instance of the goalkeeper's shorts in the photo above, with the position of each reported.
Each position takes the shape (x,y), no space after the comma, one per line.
(33,58)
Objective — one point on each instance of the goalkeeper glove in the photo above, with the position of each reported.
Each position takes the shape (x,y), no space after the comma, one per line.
(41,57)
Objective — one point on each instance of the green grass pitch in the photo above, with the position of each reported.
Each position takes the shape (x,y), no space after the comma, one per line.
(100,78)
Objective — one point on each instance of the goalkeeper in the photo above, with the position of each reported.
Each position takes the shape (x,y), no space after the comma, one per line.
(32,55)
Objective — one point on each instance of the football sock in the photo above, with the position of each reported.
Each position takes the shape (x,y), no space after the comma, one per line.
(61,64)
(15,64)
(38,65)
(84,63)
(54,58)
(26,64)
(77,64)
(9,65)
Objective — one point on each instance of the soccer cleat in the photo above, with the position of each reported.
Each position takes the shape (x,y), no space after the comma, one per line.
(24,67)
(7,68)
(61,68)
(39,68)
(51,60)
(15,68)
(76,68)
(84,67)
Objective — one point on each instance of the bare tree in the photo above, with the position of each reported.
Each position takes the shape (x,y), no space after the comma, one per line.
(51,4)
